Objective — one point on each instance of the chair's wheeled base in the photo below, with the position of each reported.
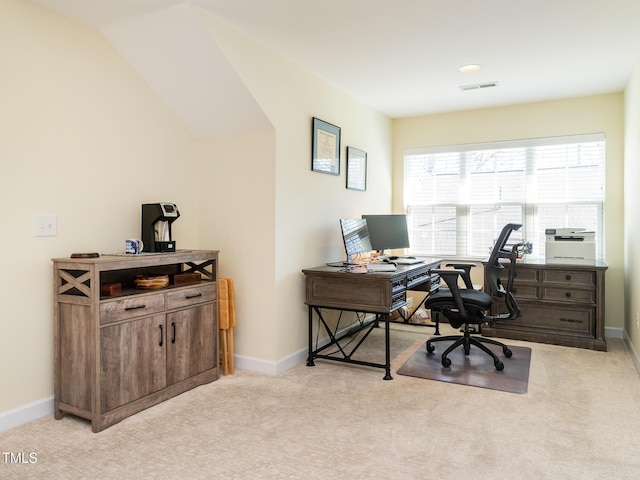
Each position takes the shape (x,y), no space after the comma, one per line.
(467,341)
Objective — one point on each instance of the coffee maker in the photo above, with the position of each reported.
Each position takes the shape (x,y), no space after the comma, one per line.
(156,226)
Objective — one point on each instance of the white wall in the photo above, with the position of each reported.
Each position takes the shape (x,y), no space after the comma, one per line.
(602,113)
(237,216)
(631,202)
(82,137)
(307,204)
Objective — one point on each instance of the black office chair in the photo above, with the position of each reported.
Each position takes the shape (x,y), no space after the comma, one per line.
(467,306)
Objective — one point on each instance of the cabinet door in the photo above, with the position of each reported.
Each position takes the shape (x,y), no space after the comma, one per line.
(191,342)
(133,361)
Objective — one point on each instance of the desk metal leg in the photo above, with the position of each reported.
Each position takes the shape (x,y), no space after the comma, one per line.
(387,348)
(310,362)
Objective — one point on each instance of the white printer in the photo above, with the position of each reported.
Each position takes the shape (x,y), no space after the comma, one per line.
(570,245)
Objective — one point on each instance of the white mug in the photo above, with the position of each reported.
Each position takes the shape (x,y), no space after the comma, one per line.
(133,246)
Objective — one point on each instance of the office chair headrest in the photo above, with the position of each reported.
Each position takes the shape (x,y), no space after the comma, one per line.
(499,250)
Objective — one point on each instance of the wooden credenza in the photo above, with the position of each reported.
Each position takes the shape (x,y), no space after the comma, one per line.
(560,304)
(118,353)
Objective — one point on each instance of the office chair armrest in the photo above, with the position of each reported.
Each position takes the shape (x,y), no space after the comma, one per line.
(466,276)
(451,279)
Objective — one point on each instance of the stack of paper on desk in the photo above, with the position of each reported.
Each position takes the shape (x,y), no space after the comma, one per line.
(381,267)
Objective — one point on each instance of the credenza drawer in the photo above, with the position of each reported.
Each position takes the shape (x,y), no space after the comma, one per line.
(573,277)
(525,275)
(571,320)
(137,306)
(190,296)
(569,295)
(525,291)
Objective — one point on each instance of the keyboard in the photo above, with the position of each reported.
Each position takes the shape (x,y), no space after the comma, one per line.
(381,267)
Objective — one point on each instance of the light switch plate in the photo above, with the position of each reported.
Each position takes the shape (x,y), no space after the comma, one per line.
(46,225)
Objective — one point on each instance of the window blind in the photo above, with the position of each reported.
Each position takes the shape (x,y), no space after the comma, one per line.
(458,198)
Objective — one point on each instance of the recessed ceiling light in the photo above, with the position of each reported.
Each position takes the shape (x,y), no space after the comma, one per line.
(469,68)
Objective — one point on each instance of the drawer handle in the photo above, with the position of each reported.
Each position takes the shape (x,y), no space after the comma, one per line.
(160,327)
(568,277)
(189,297)
(135,308)
(568,294)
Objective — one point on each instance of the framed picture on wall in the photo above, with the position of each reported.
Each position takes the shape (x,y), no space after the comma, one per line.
(325,155)
(356,169)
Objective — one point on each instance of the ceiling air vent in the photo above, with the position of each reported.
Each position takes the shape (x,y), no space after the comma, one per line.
(478,86)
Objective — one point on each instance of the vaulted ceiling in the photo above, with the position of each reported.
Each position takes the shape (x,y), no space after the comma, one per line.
(401,57)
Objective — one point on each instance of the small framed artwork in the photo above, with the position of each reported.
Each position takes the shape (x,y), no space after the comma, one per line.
(325,155)
(356,169)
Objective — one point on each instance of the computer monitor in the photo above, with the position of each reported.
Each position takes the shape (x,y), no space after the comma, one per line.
(356,237)
(387,231)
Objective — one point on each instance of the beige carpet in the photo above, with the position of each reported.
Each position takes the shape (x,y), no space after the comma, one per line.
(579,420)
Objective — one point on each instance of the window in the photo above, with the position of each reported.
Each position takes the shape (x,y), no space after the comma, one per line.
(458,198)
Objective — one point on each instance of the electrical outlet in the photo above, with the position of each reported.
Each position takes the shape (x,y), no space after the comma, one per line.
(46,225)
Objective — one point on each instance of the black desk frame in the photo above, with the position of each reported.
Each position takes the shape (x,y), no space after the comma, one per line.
(365,326)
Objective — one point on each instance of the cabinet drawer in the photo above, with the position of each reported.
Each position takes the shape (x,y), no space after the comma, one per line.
(136,306)
(184,297)
(564,321)
(573,277)
(569,295)
(525,274)
(525,291)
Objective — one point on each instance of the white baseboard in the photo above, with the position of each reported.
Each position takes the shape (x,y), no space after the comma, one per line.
(611,332)
(41,408)
(634,353)
(271,368)
(622,334)
(44,407)
(281,366)
(25,414)
(275,368)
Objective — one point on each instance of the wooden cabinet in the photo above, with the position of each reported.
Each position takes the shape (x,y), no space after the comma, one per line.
(117,355)
(560,304)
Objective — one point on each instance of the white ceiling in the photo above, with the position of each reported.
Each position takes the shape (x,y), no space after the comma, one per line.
(399,57)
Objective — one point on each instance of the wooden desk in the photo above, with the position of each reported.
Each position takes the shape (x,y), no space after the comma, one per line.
(378,293)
